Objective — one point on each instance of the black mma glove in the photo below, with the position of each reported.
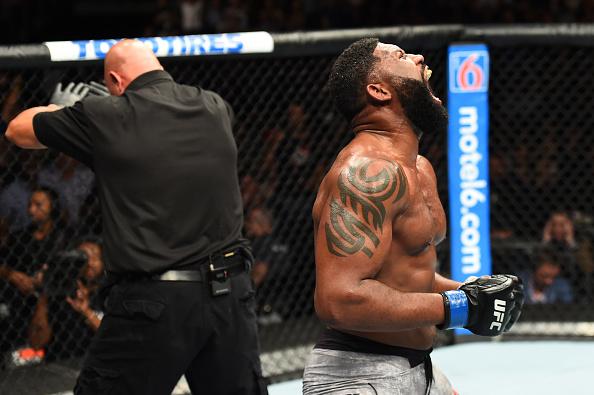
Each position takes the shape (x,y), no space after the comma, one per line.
(95,88)
(484,305)
(68,96)
(518,299)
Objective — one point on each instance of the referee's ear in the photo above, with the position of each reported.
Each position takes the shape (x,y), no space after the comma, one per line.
(116,84)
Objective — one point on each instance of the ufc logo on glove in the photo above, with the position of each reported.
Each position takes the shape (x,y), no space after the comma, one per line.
(499,313)
(470,305)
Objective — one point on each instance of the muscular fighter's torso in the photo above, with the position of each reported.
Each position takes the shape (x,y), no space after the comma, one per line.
(418,226)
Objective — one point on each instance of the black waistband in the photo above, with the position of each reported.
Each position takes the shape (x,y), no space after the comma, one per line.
(236,260)
(332,339)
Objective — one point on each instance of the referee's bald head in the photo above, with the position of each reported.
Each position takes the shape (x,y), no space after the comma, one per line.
(125,61)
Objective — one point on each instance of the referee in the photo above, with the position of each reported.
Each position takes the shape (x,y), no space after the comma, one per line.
(180,297)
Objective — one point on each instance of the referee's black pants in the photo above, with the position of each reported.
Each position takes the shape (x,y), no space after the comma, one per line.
(155,331)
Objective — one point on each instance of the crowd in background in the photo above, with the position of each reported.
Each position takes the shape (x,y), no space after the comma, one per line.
(48,208)
(37,20)
(49,213)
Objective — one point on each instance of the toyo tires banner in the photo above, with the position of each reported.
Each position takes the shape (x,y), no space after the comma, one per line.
(203,44)
(468,160)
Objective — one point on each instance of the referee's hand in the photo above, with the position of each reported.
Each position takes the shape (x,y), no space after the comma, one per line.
(68,96)
(95,88)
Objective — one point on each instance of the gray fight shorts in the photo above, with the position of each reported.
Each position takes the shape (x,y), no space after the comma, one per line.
(353,373)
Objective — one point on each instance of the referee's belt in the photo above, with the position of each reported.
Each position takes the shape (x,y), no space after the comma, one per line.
(228,264)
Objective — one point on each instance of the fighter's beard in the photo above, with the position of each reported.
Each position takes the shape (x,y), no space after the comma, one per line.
(425,114)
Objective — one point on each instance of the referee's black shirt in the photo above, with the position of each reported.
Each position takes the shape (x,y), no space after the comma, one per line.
(165,163)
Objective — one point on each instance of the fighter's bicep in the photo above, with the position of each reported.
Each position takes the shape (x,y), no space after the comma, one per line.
(356,219)
(347,248)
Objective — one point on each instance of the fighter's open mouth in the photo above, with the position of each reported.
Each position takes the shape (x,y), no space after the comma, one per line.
(427,72)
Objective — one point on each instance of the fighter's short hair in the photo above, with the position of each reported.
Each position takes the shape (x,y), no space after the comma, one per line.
(349,76)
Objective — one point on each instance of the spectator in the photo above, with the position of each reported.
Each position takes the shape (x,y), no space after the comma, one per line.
(28,250)
(559,235)
(544,284)
(64,324)
(235,18)
(24,259)
(19,183)
(271,260)
(166,20)
(576,253)
(300,167)
(258,228)
(191,16)
(214,16)
(270,252)
(559,231)
(72,181)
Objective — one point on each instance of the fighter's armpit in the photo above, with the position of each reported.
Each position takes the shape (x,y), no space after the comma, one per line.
(365,192)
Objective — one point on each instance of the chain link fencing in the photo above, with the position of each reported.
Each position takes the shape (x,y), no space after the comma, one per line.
(541,169)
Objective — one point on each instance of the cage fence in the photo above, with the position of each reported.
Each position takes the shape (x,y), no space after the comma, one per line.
(541,173)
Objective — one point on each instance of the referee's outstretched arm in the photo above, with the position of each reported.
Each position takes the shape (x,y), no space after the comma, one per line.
(20,129)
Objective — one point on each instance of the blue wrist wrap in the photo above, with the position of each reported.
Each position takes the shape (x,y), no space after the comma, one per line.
(458,308)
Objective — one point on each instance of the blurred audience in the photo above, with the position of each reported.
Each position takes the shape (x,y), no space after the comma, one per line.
(297,156)
(18,186)
(23,261)
(28,250)
(270,251)
(544,284)
(72,181)
(29,22)
(575,254)
(559,236)
(191,16)
(258,226)
(67,313)
(286,162)
(165,21)
(258,229)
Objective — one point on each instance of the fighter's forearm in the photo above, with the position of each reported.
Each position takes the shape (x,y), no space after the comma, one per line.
(442,284)
(20,130)
(375,307)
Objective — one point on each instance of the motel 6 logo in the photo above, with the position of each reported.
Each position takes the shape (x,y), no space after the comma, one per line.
(469,71)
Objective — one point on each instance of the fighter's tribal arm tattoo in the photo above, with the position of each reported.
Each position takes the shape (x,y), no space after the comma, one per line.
(357,219)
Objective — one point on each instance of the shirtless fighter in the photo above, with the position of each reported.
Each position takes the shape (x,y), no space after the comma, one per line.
(378,220)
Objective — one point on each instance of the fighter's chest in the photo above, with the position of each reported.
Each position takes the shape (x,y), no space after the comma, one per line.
(424,221)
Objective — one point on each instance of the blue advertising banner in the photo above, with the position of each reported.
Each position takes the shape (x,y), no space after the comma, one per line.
(468,160)
(202,44)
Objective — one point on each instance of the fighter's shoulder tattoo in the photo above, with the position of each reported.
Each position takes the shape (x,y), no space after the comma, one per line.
(357,218)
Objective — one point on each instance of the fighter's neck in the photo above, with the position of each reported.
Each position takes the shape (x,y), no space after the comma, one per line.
(394,132)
